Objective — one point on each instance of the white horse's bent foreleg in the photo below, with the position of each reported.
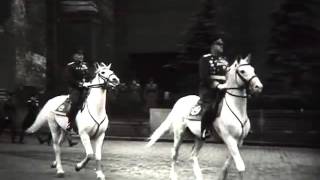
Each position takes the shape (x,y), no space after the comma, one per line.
(89,151)
(98,155)
(194,155)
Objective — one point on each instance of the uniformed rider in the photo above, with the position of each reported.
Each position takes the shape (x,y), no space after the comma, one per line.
(212,71)
(77,75)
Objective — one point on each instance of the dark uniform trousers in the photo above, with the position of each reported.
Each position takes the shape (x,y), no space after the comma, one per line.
(209,101)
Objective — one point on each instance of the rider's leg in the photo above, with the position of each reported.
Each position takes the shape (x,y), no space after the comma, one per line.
(210,107)
(74,98)
(206,118)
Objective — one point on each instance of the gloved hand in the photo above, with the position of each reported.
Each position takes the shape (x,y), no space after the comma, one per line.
(221,87)
(85,84)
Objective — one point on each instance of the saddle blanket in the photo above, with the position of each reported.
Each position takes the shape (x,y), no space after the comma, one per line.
(64,108)
(195,113)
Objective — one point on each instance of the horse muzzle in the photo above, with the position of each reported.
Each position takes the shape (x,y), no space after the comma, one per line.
(114,82)
(255,87)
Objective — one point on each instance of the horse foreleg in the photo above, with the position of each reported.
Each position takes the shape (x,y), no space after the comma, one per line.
(85,139)
(194,155)
(178,133)
(98,154)
(232,145)
(56,135)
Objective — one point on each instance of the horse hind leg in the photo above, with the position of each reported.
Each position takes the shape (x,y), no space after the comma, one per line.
(178,138)
(56,136)
(194,155)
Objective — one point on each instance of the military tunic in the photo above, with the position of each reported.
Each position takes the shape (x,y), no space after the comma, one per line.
(78,73)
(212,71)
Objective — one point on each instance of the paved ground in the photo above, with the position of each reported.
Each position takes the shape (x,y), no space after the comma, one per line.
(128,160)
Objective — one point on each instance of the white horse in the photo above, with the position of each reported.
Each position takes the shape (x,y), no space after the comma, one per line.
(92,121)
(232,124)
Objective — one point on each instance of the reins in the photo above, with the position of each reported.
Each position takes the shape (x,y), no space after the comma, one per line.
(235,95)
(99,85)
(245,87)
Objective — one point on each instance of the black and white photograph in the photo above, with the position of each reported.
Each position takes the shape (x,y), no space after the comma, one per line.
(160,89)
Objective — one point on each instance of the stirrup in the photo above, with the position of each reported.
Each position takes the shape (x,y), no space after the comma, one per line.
(205,134)
(69,128)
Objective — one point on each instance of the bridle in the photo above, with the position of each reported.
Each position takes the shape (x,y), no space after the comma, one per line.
(106,81)
(245,81)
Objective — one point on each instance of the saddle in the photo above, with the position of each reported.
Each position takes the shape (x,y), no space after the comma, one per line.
(64,108)
(197,112)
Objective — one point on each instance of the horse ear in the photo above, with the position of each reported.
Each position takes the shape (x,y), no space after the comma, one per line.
(103,64)
(248,58)
(236,62)
(238,58)
(96,65)
(109,66)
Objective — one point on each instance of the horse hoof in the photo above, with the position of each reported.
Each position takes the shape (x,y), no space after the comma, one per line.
(77,168)
(60,175)
(100,176)
(53,165)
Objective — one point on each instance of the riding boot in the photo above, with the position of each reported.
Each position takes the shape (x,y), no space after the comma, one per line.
(205,119)
(71,118)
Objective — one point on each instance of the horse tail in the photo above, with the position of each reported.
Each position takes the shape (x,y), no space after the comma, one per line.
(180,109)
(43,115)
(40,120)
(163,128)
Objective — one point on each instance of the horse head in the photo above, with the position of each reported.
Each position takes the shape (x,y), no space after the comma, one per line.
(106,74)
(242,73)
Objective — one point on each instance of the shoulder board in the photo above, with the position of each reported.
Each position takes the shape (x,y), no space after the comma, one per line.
(70,63)
(207,55)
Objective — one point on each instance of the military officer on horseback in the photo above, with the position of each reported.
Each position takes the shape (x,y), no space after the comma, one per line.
(77,75)
(212,71)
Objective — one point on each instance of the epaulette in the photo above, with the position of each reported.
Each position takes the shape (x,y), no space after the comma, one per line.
(207,55)
(70,63)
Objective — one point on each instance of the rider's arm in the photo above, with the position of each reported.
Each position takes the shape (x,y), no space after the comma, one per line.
(69,74)
(216,82)
(222,86)
(217,85)
(86,84)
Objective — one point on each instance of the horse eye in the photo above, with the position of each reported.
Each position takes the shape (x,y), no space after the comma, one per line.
(242,72)
(102,72)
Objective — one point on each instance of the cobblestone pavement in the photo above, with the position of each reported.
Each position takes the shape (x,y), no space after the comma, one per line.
(129,160)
